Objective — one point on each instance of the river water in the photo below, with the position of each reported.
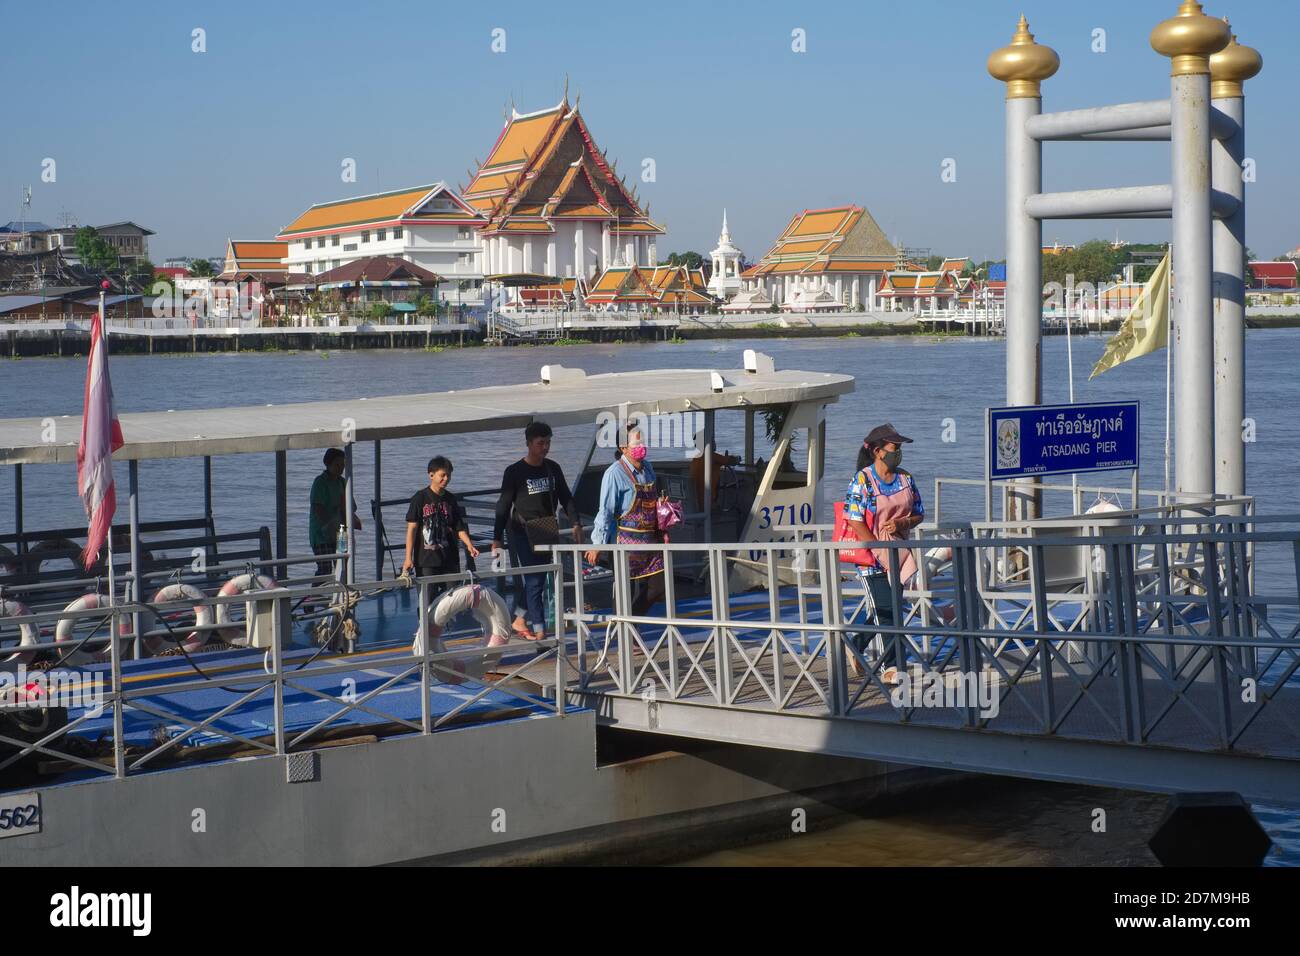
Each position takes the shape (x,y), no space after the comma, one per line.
(933,389)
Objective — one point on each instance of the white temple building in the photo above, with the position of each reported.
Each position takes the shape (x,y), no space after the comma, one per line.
(725,281)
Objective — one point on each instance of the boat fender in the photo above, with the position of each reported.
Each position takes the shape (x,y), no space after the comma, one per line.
(202,618)
(240,584)
(488,609)
(29,634)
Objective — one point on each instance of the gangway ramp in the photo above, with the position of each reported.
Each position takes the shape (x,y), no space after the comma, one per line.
(1141,681)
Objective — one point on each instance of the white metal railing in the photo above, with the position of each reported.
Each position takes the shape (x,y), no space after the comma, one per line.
(1153,644)
(258,678)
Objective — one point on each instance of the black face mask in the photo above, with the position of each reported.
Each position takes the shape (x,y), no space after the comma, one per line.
(893,459)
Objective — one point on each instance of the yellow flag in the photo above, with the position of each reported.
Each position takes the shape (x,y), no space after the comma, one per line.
(1145,328)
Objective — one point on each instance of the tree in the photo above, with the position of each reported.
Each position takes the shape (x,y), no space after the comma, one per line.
(692,260)
(933,263)
(95,253)
(201,269)
(378,310)
(1095,262)
(425,305)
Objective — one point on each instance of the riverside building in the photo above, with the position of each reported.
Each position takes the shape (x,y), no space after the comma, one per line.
(824,258)
(430,226)
(552,205)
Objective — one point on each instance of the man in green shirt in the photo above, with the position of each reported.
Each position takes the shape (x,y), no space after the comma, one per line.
(327,493)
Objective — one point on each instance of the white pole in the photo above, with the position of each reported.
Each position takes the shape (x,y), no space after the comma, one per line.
(1069,359)
(1169,397)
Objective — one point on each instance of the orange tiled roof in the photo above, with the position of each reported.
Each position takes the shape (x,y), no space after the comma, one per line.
(819,240)
(259,249)
(380,207)
(621,284)
(549,161)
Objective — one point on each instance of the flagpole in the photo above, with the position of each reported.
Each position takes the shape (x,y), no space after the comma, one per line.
(112,589)
(1069,358)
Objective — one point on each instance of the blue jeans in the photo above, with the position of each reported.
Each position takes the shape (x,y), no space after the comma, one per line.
(529,588)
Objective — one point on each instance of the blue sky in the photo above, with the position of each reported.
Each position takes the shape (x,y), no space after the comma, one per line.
(238,140)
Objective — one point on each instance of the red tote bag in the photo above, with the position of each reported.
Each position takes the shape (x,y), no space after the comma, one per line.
(844,532)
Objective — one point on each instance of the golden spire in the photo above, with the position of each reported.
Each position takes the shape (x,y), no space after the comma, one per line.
(1024,64)
(1189,38)
(1231,67)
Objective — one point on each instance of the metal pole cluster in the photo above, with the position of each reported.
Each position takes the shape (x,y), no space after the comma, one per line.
(1208,256)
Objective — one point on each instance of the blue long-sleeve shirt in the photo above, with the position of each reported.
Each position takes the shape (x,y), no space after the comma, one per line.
(616,496)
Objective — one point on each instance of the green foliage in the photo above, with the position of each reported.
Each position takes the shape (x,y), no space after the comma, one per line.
(425,305)
(94,252)
(1094,261)
(201,269)
(692,260)
(933,263)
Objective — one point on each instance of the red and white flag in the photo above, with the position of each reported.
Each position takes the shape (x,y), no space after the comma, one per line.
(101,435)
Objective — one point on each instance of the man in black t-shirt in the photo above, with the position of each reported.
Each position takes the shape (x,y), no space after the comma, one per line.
(434,518)
(531,490)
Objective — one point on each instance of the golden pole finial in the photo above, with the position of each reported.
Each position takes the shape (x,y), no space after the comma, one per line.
(1231,67)
(1189,38)
(1023,64)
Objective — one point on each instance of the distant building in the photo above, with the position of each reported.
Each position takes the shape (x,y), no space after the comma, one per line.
(262,259)
(430,226)
(20,236)
(725,281)
(553,205)
(129,239)
(1275,283)
(840,251)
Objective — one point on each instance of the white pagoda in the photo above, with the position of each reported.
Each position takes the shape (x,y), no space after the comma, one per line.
(725,281)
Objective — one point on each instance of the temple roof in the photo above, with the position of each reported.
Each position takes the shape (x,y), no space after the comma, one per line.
(544,166)
(622,284)
(259,255)
(840,239)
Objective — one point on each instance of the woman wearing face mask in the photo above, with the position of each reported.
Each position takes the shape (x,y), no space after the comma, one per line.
(888,494)
(627,515)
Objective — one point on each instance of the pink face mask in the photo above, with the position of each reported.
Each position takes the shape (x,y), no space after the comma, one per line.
(636,453)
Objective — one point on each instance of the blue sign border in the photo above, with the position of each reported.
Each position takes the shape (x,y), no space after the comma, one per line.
(989,445)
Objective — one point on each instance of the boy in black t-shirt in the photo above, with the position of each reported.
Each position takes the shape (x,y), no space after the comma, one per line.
(435,518)
(531,490)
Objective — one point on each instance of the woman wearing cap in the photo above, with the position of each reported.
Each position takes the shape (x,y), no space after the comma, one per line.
(887,493)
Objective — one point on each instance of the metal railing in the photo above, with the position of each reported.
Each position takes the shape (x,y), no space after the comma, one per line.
(1163,641)
(253,678)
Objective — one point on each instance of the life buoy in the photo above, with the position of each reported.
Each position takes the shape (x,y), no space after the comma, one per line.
(202,617)
(63,632)
(488,609)
(28,634)
(41,552)
(240,584)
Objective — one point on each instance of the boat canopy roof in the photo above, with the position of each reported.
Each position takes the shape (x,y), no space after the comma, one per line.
(562,397)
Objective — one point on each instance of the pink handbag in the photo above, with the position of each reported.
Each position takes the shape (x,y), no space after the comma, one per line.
(667,513)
